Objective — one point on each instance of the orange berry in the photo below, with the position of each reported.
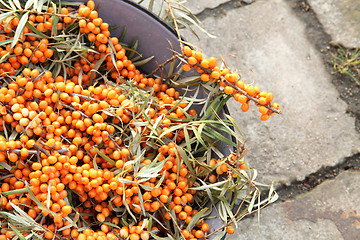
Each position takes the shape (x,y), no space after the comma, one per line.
(199,234)
(264,117)
(229,90)
(192,60)
(186,67)
(263,110)
(187,51)
(245,107)
(230,230)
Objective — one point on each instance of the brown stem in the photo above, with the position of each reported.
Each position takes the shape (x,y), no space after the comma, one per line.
(175,23)
(83,114)
(41,150)
(174,220)
(161,66)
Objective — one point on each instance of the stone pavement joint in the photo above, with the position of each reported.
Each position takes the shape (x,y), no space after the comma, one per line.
(204,9)
(330,211)
(288,192)
(198,7)
(341,19)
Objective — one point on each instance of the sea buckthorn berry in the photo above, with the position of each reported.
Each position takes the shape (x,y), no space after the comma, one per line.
(269,97)
(230,229)
(192,61)
(187,51)
(215,75)
(245,107)
(263,110)
(229,90)
(243,99)
(186,67)
(264,117)
(205,77)
(262,100)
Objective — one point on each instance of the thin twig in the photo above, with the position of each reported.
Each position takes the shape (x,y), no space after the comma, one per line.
(161,66)
(175,23)
(42,150)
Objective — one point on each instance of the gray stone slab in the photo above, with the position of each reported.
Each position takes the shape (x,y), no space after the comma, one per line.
(197,6)
(330,211)
(341,19)
(271,50)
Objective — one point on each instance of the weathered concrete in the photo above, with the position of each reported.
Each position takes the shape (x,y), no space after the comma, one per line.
(200,5)
(195,6)
(330,211)
(341,19)
(273,52)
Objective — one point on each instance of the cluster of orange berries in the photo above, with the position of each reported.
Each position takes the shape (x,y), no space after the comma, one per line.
(231,83)
(69,144)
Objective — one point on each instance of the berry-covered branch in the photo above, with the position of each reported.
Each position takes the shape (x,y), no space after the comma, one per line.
(230,82)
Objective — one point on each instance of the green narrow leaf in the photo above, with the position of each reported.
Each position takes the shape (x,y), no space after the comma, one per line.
(220,235)
(97,66)
(186,81)
(28,4)
(12,5)
(5,131)
(3,3)
(142,62)
(17,232)
(252,202)
(201,214)
(17,3)
(198,136)
(104,156)
(6,42)
(32,121)
(20,29)
(5,165)
(151,5)
(112,225)
(123,34)
(208,186)
(17,191)
(38,203)
(37,32)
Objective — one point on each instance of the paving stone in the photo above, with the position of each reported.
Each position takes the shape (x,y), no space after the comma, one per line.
(200,5)
(158,8)
(341,19)
(196,7)
(272,50)
(330,211)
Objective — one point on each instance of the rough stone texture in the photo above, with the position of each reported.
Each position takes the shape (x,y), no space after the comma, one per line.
(330,211)
(341,19)
(158,9)
(200,5)
(196,7)
(272,50)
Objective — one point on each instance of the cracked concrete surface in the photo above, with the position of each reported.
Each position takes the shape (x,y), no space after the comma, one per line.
(272,50)
(340,19)
(330,211)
